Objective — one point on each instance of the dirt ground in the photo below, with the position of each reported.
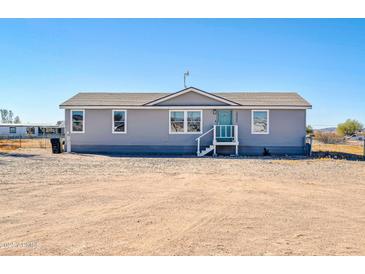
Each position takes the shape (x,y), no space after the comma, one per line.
(74,204)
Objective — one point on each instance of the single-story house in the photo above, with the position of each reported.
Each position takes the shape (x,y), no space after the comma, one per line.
(186,122)
(30,129)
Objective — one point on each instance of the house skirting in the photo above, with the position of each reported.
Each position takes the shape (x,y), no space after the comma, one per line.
(185,150)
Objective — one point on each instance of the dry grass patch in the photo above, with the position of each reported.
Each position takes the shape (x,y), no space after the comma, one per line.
(356,149)
(7,145)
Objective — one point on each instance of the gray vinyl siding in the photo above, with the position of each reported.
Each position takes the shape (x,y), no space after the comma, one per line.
(148,131)
(286,128)
(191,99)
(144,127)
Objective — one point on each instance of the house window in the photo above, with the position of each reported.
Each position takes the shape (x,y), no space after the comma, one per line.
(30,130)
(78,121)
(185,121)
(177,123)
(260,122)
(119,121)
(12,129)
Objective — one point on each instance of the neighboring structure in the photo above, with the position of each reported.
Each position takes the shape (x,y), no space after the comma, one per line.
(31,130)
(186,122)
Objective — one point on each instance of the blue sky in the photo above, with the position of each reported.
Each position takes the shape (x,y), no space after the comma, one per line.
(46,61)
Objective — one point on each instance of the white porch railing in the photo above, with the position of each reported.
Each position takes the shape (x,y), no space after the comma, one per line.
(198,139)
(223,135)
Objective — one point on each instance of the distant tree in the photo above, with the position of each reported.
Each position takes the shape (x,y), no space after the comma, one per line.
(349,127)
(309,129)
(4,115)
(17,120)
(59,123)
(10,116)
(7,116)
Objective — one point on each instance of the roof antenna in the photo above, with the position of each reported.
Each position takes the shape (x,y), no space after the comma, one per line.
(185,75)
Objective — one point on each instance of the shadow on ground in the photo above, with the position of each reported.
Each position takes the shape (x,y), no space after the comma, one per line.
(18,155)
(191,156)
(337,155)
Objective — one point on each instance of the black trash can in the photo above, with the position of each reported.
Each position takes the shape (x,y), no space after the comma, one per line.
(308,149)
(56,145)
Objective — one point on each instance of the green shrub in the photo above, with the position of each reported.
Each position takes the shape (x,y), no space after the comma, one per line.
(309,130)
(349,127)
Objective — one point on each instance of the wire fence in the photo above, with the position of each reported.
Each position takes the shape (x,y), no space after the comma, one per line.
(339,147)
(10,143)
(316,146)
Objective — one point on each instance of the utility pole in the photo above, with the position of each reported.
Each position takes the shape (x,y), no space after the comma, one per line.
(186,74)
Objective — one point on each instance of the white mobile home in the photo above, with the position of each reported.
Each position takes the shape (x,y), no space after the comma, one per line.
(30,130)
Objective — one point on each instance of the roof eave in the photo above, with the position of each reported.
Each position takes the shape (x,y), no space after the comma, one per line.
(184,107)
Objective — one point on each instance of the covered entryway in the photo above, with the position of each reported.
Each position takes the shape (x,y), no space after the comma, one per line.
(225,133)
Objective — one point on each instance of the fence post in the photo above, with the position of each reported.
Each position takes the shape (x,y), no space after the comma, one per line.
(311,144)
(68,142)
(20,141)
(363,153)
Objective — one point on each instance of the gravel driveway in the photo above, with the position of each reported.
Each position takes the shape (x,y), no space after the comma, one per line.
(76,204)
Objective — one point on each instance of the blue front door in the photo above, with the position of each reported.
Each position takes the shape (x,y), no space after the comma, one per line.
(224,118)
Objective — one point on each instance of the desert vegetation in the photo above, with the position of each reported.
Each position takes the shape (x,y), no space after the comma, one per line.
(339,141)
(349,127)
(8,145)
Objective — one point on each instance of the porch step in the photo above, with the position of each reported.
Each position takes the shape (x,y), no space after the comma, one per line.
(206,151)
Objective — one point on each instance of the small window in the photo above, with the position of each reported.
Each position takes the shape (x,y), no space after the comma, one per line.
(12,129)
(194,121)
(185,121)
(119,121)
(260,122)
(177,121)
(30,130)
(78,121)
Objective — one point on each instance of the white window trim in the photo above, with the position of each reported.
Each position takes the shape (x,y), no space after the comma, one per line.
(83,121)
(268,121)
(125,121)
(185,111)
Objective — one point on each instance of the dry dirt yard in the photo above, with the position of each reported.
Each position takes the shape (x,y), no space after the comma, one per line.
(74,204)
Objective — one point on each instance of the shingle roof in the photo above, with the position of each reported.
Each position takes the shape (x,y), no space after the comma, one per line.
(265,98)
(111,99)
(289,99)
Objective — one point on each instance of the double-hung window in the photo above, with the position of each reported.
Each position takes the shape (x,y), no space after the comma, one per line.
(77,121)
(185,121)
(260,122)
(12,129)
(119,121)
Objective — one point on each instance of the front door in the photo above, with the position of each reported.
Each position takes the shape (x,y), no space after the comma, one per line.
(224,121)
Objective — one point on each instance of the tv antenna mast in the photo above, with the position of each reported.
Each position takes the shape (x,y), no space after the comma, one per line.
(186,74)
